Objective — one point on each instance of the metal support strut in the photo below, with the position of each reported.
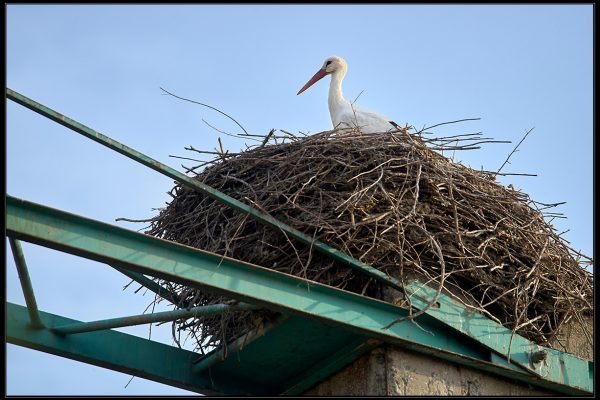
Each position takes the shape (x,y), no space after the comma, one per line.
(149,318)
(32,308)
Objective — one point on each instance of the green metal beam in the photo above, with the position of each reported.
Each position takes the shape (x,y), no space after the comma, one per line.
(113,350)
(256,285)
(219,354)
(317,348)
(551,366)
(170,296)
(200,187)
(32,308)
(164,316)
(323,369)
(291,357)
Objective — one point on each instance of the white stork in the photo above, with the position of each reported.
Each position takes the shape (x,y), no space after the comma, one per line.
(343,113)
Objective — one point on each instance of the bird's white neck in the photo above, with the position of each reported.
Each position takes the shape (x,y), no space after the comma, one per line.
(336,98)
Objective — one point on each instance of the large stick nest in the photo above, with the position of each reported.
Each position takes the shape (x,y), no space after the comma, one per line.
(392,202)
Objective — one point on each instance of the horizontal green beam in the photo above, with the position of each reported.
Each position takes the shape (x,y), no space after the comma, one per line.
(163,316)
(113,350)
(264,287)
(261,367)
(200,187)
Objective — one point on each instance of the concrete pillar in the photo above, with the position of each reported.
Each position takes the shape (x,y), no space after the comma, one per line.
(393,371)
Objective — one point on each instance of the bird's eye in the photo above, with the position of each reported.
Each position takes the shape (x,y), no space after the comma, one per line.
(327,63)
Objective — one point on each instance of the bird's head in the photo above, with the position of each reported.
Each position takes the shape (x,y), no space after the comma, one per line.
(334,63)
(331,65)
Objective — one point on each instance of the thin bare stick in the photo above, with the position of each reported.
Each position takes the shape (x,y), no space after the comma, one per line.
(267,137)
(361,92)
(186,158)
(451,122)
(515,149)
(392,202)
(205,105)
(134,220)
(251,137)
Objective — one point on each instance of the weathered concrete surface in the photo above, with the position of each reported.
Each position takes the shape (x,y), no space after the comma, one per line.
(365,377)
(392,371)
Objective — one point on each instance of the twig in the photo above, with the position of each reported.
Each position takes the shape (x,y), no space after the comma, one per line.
(186,158)
(394,204)
(267,137)
(361,92)
(205,105)
(134,220)
(515,149)
(451,122)
(251,137)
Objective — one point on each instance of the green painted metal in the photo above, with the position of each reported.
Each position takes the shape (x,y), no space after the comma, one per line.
(249,283)
(196,268)
(113,350)
(317,352)
(327,367)
(199,186)
(219,354)
(545,362)
(296,353)
(32,308)
(164,316)
(150,285)
(521,356)
(262,367)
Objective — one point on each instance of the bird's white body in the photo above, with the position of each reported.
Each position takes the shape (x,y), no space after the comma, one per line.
(343,113)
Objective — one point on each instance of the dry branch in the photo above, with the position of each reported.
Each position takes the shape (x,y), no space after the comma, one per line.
(390,201)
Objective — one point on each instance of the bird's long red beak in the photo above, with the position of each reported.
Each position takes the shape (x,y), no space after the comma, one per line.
(316,77)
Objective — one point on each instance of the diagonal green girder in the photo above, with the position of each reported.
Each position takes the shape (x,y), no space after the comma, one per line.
(113,350)
(503,340)
(200,187)
(486,332)
(256,285)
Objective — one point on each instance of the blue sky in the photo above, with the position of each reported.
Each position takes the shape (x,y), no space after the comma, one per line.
(514,66)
